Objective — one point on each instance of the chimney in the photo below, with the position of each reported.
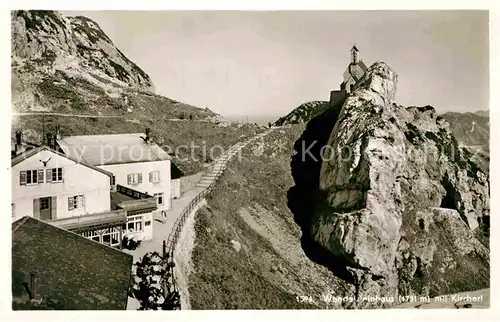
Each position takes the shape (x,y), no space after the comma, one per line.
(54,142)
(19,141)
(49,140)
(148,135)
(58,132)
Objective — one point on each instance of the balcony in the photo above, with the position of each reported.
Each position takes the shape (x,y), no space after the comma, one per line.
(133,201)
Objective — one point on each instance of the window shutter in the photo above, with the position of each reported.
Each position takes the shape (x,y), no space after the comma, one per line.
(83,200)
(53,208)
(151,177)
(36,208)
(49,175)
(158,174)
(22,178)
(129,179)
(139,175)
(40,175)
(71,205)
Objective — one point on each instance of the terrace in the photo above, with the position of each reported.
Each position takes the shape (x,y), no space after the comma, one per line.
(92,221)
(134,202)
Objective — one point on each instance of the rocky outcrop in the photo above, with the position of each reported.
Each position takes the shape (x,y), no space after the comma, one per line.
(303,114)
(398,199)
(55,42)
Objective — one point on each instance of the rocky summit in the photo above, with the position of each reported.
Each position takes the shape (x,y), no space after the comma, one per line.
(72,45)
(396,201)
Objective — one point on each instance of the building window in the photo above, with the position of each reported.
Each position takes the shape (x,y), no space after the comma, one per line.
(111,236)
(107,236)
(76,202)
(31,177)
(40,175)
(134,178)
(154,176)
(57,175)
(13,205)
(134,224)
(44,203)
(159,198)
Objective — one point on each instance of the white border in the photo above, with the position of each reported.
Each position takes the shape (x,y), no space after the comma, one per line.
(413,315)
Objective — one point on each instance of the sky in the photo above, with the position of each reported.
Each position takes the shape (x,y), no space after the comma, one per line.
(266,63)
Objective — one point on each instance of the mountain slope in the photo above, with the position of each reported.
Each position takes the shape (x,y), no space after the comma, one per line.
(471,129)
(69,66)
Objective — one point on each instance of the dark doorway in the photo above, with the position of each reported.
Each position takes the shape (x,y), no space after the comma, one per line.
(45,208)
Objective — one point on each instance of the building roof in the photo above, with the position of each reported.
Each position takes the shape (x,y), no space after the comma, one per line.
(28,154)
(356,71)
(362,65)
(175,172)
(71,272)
(112,149)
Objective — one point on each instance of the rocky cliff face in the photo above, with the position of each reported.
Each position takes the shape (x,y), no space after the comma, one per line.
(397,201)
(72,45)
(60,62)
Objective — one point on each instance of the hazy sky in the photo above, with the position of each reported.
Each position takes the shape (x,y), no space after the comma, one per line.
(267,63)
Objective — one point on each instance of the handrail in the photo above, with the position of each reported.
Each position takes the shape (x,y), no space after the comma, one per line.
(172,239)
(174,235)
(178,225)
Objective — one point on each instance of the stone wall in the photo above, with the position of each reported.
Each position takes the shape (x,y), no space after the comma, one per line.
(189,182)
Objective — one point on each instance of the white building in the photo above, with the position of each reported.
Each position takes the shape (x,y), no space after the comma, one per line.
(74,195)
(48,185)
(135,161)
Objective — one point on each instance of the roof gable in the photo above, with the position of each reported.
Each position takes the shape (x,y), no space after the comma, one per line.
(28,154)
(72,272)
(362,65)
